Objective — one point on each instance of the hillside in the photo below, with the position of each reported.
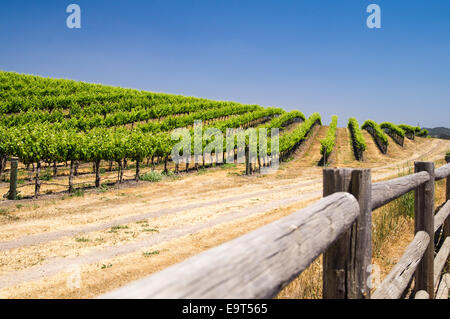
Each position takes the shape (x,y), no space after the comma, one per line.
(439,132)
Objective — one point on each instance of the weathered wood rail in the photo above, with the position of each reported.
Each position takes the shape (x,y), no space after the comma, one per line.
(339,226)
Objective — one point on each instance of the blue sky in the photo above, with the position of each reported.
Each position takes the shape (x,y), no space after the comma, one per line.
(307,55)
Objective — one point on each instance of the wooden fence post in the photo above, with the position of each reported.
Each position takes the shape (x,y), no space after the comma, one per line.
(424,221)
(446,231)
(345,262)
(13,179)
(247,160)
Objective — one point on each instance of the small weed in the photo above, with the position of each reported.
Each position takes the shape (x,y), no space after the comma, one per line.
(118,227)
(106,266)
(150,253)
(46,175)
(144,221)
(102,170)
(151,176)
(169,173)
(81,239)
(3,211)
(78,193)
(150,230)
(19,206)
(202,171)
(104,188)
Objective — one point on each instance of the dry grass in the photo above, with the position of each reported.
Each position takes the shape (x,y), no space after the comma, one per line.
(393,230)
(307,286)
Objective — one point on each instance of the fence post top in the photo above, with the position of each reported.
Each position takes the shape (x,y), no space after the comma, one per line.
(423,163)
(344,169)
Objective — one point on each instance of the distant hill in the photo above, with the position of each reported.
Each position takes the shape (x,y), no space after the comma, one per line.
(439,132)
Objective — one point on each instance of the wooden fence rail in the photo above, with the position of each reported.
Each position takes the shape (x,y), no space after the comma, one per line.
(339,226)
(258,264)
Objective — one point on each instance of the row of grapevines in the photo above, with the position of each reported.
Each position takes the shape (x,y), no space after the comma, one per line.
(358,140)
(109,116)
(170,123)
(414,130)
(422,133)
(33,142)
(393,128)
(376,130)
(289,141)
(407,128)
(123,118)
(285,119)
(395,132)
(327,144)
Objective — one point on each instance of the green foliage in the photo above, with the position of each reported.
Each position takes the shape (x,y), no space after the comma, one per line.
(414,130)
(422,133)
(288,141)
(81,239)
(408,129)
(358,138)
(279,122)
(151,176)
(150,253)
(393,128)
(78,193)
(35,98)
(327,144)
(60,120)
(46,175)
(376,130)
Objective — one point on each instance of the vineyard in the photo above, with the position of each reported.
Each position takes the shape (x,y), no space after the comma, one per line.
(112,198)
(51,124)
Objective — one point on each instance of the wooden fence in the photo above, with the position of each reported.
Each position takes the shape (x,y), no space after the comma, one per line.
(339,226)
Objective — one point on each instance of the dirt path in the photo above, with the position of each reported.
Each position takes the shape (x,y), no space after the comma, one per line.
(343,153)
(312,156)
(119,235)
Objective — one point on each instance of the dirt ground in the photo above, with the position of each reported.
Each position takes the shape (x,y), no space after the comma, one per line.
(62,246)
